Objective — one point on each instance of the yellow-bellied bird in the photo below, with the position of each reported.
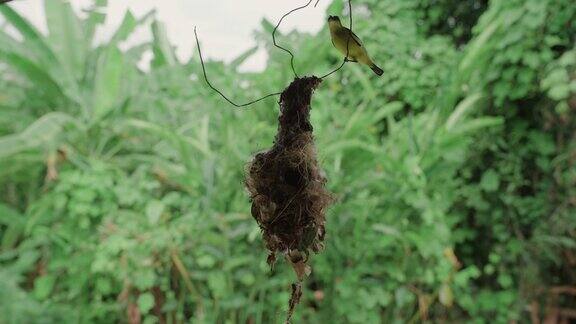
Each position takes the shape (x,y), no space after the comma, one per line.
(353,48)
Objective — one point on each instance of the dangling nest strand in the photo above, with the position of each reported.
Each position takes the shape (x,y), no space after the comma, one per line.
(286,186)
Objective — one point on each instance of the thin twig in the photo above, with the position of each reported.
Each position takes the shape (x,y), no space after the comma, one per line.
(220,92)
(276,29)
(274,39)
(333,71)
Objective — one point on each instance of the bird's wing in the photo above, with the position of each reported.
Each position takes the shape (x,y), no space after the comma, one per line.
(355,38)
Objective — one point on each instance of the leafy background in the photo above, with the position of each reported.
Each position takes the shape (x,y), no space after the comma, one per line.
(121,195)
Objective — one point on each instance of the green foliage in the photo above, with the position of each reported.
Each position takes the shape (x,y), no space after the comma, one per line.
(121,192)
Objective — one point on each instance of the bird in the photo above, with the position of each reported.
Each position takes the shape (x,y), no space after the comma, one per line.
(350,45)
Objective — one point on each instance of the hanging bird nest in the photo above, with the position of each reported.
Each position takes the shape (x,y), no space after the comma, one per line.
(287,187)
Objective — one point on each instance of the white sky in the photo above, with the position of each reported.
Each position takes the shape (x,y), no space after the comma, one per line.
(225,27)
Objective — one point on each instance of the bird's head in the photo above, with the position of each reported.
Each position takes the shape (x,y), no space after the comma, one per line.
(334,20)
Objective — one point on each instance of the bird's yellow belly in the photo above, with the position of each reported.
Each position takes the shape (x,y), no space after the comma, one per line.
(354,51)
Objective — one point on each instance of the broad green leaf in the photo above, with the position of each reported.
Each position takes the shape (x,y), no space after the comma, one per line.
(35,74)
(43,286)
(217,284)
(386,230)
(135,53)
(388,109)
(462,109)
(38,63)
(144,278)
(477,48)
(10,216)
(542,143)
(505,280)
(14,225)
(108,81)
(30,34)
(9,44)
(126,28)
(267,26)
(243,57)
(44,132)
(66,36)
(96,17)
(145,302)
(559,91)
(154,210)
(179,142)
(478,123)
(10,237)
(163,51)
(490,181)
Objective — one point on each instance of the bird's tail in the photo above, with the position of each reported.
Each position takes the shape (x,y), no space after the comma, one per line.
(376,69)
